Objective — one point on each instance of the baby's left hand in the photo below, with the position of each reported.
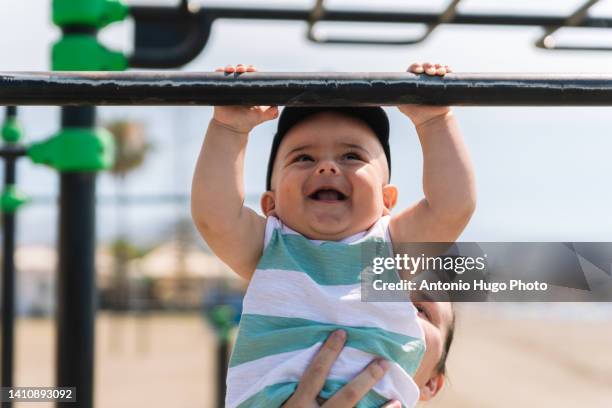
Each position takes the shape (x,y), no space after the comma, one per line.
(420,114)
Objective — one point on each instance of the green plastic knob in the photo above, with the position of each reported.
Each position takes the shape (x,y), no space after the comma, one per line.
(11,131)
(11,199)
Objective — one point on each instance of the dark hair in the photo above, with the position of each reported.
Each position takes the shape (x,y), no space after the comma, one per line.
(441,366)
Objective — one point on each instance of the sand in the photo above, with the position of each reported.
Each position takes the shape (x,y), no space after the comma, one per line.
(517,362)
(168,360)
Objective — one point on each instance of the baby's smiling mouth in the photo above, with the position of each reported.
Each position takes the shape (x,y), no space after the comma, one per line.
(327,195)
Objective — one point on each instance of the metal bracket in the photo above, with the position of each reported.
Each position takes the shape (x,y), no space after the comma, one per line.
(90,13)
(547,40)
(318,14)
(168,37)
(83,52)
(75,149)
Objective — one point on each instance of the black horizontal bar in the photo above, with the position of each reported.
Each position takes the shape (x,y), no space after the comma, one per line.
(373,16)
(123,200)
(302,89)
(130,199)
(9,151)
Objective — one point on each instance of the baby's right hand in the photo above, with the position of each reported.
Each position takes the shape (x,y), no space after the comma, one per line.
(242,119)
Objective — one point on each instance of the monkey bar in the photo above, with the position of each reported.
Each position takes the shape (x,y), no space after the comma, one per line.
(171,36)
(302,89)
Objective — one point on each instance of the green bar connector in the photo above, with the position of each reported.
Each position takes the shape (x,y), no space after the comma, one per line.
(93,13)
(222,318)
(81,52)
(76,150)
(11,200)
(11,131)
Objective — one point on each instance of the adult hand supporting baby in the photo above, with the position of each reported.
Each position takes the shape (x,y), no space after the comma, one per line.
(313,379)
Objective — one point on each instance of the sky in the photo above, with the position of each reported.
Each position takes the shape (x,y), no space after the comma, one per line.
(543,174)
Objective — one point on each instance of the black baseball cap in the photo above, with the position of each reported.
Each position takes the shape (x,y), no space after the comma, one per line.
(373,116)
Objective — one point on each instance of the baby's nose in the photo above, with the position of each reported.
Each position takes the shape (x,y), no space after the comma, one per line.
(327,167)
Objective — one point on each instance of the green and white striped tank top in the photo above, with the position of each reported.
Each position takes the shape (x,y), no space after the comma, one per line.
(301,291)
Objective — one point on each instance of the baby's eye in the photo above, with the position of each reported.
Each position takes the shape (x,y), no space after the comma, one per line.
(303,158)
(352,156)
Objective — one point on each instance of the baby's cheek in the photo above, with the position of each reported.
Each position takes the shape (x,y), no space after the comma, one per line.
(289,190)
(370,195)
(361,179)
(370,179)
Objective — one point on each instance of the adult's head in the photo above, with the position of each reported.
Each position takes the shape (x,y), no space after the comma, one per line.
(437,320)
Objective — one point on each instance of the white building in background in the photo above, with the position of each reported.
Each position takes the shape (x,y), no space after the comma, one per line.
(184,273)
(35,278)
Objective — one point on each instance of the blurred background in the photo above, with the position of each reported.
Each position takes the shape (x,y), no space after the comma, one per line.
(543,175)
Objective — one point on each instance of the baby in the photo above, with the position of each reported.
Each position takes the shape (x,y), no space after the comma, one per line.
(328,194)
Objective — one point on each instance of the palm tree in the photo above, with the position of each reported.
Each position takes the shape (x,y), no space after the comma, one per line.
(131,148)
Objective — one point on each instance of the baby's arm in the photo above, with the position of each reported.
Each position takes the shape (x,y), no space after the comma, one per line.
(448,178)
(233,231)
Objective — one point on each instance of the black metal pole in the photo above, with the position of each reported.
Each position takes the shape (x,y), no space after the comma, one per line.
(222,364)
(371,16)
(303,89)
(76,297)
(8,277)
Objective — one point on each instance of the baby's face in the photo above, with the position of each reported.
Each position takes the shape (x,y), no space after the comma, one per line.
(330,178)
